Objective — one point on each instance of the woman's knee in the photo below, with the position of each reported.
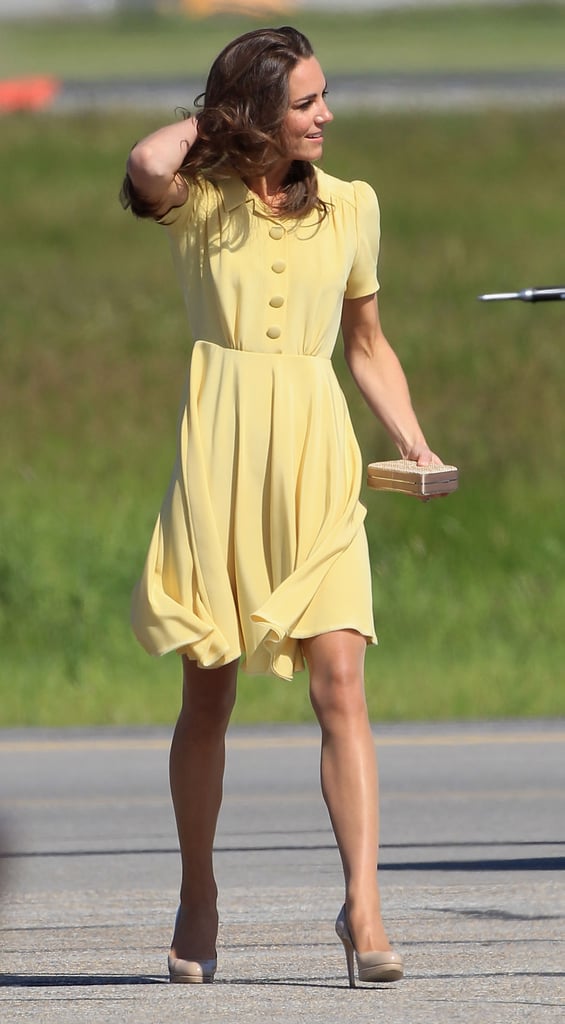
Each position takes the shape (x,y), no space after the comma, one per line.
(337,691)
(337,678)
(208,695)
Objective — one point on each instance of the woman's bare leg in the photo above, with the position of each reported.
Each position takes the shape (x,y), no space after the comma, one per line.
(196,771)
(349,774)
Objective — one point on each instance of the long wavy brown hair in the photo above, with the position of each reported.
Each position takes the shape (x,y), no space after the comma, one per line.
(241,119)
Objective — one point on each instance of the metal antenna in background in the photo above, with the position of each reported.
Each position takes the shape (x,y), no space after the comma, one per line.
(527,295)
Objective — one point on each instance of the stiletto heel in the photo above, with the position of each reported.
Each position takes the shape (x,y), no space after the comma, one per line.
(349,951)
(191,972)
(373,966)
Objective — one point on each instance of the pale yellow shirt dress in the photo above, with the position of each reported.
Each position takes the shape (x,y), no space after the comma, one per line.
(260,540)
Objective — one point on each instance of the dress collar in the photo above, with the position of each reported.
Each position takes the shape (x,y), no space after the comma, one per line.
(235,193)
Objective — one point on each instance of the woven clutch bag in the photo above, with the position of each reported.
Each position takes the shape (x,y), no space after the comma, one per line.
(408,478)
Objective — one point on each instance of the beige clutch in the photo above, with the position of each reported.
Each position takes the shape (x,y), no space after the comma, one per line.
(408,478)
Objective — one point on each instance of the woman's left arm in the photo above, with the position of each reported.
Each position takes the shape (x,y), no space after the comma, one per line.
(376,370)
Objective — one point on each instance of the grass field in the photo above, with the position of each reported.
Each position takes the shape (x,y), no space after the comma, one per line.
(469,592)
(529,37)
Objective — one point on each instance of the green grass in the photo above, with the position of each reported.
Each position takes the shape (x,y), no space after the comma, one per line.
(469,591)
(529,37)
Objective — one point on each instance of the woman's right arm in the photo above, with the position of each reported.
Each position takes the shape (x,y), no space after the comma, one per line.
(154,162)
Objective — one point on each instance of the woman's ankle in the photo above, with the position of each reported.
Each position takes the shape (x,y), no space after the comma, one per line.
(198,895)
(365,921)
(195,932)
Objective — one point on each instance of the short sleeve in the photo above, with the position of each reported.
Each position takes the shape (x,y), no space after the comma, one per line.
(362,278)
(177,218)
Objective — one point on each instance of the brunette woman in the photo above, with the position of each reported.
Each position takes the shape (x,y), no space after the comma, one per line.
(259,552)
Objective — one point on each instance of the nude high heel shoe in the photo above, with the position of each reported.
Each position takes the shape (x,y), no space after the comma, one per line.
(372,966)
(191,972)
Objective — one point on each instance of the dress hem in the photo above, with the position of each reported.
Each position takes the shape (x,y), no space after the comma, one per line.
(226,659)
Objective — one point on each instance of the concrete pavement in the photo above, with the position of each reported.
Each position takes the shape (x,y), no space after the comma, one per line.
(472,860)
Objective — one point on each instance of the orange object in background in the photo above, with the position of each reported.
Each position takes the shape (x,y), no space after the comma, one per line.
(203,8)
(31,93)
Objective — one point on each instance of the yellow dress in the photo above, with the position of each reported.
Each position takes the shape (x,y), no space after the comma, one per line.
(260,540)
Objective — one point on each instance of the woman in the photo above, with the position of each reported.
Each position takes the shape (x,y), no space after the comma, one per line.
(260,549)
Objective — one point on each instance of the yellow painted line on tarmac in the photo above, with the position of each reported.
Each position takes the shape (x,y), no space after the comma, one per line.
(48,803)
(471,740)
(45,746)
(81,745)
(394,796)
(453,740)
(302,797)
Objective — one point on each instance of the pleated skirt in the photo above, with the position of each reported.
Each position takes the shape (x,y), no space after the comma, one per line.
(260,540)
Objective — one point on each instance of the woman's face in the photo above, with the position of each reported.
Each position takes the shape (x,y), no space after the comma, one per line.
(307,114)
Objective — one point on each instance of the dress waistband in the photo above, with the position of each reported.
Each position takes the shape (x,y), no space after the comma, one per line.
(260,353)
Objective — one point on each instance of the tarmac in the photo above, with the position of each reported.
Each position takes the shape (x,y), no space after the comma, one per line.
(473,953)
(378,92)
(400,91)
(471,875)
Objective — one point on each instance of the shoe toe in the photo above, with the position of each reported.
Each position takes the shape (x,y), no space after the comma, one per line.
(385,966)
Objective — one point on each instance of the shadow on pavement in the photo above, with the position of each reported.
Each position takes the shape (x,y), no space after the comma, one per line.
(67,980)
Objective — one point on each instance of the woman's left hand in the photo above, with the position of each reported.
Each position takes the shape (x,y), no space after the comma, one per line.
(423,456)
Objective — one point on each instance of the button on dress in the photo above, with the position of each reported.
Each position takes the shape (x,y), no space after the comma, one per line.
(260,539)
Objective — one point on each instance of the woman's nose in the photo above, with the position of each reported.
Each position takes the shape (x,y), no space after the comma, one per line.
(324,115)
